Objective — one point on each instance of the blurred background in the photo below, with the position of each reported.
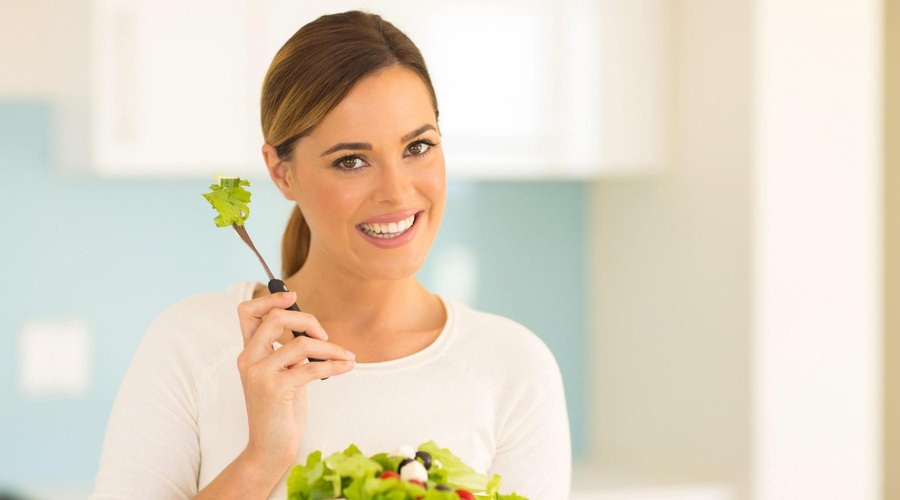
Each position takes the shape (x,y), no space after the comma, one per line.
(695,203)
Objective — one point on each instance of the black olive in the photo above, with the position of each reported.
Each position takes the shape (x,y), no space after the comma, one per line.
(443,487)
(404,462)
(425,457)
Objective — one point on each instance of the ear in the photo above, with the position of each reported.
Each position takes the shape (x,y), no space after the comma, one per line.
(280,172)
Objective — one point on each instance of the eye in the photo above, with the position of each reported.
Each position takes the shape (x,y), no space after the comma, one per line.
(419,148)
(349,163)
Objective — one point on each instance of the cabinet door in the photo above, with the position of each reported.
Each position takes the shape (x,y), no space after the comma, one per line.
(494,70)
(170,91)
(492,66)
(526,88)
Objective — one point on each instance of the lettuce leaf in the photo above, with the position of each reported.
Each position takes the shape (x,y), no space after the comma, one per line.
(230,202)
(353,465)
(493,486)
(305,480)
(493,489)
(459,475)
(441,495)
(371,488)
(352,475)
(387,462)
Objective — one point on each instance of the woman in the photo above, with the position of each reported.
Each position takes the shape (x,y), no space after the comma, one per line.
(349,117)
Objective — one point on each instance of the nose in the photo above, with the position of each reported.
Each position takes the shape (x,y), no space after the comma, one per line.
(394,183)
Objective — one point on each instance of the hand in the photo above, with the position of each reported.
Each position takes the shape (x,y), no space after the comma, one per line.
(274,382)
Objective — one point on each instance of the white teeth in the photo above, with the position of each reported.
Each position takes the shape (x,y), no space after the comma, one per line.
(390,230)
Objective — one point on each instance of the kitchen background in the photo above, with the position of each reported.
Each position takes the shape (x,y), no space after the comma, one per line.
(693,202)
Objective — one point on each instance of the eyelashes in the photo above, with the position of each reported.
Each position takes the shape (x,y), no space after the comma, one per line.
(348,163)
(419,144)
(356,162)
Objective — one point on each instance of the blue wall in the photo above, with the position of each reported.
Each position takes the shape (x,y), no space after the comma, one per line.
(114,253)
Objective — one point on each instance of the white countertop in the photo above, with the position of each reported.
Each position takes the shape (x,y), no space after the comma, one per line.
(592,482)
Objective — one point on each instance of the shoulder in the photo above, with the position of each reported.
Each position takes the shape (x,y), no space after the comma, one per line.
(203,308)
(204,324)
(511,348)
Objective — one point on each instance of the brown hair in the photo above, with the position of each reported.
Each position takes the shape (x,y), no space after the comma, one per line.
(311,74)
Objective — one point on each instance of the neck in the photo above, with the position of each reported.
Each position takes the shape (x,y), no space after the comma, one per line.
(377,319)
(342,299)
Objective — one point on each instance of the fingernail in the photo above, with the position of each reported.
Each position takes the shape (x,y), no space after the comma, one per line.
(350,355)
(291,295)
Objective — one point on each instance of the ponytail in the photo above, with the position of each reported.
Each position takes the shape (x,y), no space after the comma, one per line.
(295,244)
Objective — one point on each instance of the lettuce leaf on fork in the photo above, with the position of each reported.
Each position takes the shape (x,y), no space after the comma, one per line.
(230,200)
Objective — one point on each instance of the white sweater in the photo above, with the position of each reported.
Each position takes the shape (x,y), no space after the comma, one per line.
(488,389)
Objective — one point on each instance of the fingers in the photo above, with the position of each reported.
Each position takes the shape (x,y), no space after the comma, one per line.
(265,319)
(297,351)
(278,321)
(252,312)
(300,375)
(288,368)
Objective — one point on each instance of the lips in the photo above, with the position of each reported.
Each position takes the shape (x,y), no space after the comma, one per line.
(388,229)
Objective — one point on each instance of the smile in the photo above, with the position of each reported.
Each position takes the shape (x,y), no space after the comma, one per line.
(389,230)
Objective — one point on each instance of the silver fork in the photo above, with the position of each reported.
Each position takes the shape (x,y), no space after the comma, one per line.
(275,284)
(242,232)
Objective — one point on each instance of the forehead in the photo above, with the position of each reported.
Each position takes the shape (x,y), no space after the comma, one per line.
(392,102)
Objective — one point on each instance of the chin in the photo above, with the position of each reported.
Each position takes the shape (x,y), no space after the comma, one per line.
(392,271)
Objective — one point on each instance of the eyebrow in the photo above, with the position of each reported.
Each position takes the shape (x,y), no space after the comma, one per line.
(416,132)
(368,147)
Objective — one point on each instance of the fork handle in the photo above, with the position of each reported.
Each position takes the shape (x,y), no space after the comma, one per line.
(278,286)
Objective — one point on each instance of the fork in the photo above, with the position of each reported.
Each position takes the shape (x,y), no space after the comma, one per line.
(275,284)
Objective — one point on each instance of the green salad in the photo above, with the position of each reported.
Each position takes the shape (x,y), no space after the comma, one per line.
(230,200)
(429,473)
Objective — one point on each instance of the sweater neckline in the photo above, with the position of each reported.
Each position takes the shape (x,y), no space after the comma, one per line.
(246,289)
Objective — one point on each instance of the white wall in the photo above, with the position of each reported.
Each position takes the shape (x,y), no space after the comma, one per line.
(45,55)
(817,250)
(671,271)
(45,47)
(738,316)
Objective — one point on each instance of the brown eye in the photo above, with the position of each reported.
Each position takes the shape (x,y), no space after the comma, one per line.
(418,148)
(349,163)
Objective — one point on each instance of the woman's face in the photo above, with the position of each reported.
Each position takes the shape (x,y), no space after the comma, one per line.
(370,178)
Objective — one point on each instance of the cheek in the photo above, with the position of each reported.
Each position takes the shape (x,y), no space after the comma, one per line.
(326,206)
(434,186)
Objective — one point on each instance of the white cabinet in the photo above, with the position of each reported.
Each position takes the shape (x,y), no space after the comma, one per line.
(526,88)
(172,91)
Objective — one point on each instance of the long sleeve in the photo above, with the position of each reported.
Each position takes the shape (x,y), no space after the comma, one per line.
(181,401)
(151,449)
(534,446)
